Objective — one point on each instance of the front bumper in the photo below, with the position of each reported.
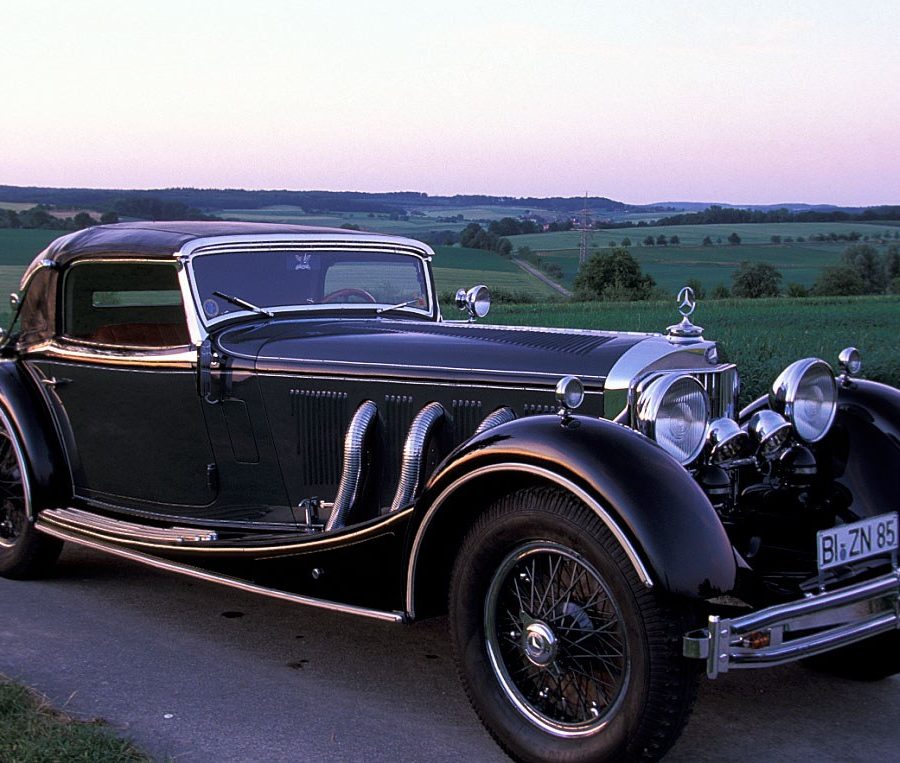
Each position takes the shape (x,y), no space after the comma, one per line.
(788,632)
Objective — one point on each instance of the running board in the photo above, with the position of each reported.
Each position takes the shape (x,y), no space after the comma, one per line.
(86,521)
(212,577)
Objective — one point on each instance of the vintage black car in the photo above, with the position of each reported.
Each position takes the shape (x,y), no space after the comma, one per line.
(285,410)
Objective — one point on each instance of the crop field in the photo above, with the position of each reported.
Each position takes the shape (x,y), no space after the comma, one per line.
(761,335)
(455,267)
(759,233)
(19,246)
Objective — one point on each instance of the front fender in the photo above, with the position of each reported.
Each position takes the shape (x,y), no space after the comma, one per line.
(650,497)
(862,450)
(49,474)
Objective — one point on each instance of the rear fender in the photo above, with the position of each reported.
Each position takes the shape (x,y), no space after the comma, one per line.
(49,477)
(649,501)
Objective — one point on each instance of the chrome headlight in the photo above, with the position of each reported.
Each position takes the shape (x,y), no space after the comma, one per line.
(673,410)
(806,393)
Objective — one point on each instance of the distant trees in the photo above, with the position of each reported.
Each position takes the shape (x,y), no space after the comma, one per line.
(862,270)
(83,220)
(476,237)
(649,241)
(674,240)
(108,218)
(626,242)
(753,280)
(661,240)
(612,277)
(734,239)
(510,226)
(707,241)
(699,291)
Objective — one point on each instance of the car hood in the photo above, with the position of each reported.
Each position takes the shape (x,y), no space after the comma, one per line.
(379,348)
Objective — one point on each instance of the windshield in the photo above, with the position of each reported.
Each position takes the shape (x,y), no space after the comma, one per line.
(273,281)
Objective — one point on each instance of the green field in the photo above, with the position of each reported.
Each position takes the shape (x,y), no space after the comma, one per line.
(761,335)
(456,267)
(671,267)
(750,233)
(414,226)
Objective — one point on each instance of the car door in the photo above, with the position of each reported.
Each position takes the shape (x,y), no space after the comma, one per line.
(121,379)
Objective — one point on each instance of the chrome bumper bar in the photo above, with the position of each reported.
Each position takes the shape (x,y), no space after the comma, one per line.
(788,632)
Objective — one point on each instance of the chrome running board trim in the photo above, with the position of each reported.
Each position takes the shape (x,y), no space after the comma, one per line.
(78,519)
(211,577)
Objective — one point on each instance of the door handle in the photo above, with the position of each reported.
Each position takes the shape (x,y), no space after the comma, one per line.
(54,382)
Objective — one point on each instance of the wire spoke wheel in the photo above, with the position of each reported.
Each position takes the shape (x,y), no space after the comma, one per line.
(24,552)
(555,639)
(13,509)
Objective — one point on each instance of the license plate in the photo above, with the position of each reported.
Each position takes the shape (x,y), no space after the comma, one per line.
(859,540)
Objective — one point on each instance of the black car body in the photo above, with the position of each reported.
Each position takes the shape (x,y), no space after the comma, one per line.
(285,410)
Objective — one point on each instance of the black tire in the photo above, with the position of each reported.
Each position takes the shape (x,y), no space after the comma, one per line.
(24,552)
(564,653)
(874,659)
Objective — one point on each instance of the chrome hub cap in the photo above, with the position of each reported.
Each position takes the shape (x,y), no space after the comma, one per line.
(556,640)
(540,644)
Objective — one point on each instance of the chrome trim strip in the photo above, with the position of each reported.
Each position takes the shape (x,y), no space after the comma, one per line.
(387,379)
(243,585)
(314,542)
(411,467)
(78,519)
(458,369)
(722,644)
(539,471)
(353,446)
(87,353)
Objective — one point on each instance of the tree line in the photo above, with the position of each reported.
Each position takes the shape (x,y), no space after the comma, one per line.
(615,275)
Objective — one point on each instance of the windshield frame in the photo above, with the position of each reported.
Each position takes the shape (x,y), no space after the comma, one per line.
(321,243)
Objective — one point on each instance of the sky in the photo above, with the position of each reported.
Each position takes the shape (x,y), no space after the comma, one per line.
(740,102)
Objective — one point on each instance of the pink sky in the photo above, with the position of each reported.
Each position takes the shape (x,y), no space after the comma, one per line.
(763,102)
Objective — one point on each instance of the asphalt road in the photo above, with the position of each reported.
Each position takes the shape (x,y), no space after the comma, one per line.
(197,672)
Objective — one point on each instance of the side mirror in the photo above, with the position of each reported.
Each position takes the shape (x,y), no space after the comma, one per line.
(14,300)
(476,301)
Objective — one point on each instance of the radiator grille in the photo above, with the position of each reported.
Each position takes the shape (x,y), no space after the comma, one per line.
(723,388)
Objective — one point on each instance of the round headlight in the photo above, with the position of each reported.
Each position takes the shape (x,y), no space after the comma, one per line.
(806,393)
(674,411)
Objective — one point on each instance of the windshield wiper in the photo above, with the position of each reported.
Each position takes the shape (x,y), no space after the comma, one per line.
(409,302)
(244,303)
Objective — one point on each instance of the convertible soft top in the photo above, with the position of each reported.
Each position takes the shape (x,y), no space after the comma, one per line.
(159,239)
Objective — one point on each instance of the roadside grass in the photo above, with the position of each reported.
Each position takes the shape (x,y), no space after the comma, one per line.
(31,731)
(761,336)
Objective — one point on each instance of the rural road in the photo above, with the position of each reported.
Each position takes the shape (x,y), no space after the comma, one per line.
(529,268)
(194,672)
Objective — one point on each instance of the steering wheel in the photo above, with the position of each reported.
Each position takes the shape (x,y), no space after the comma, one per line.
(340,295)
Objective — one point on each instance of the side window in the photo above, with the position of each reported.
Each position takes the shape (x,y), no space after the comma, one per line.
(132,304)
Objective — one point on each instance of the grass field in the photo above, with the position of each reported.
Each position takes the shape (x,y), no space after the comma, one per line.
(762,336)
(671,267)
(455,267)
